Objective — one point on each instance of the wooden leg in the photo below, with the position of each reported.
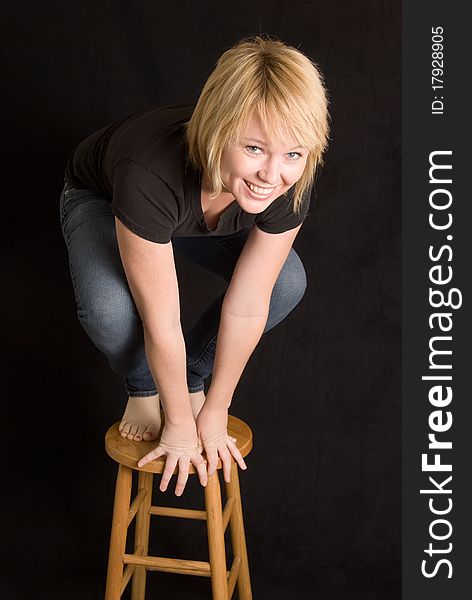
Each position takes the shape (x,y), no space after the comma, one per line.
(238,538)
(216,538)
(119,530)
(141,538)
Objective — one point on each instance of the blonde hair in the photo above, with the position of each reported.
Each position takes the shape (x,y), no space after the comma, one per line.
(277,81)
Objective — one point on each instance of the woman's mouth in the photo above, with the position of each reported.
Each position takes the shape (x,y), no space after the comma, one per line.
(257,192)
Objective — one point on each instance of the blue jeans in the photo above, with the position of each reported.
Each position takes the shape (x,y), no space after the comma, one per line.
(106,309)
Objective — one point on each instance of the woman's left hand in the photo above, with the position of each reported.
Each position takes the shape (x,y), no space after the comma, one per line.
(212,426)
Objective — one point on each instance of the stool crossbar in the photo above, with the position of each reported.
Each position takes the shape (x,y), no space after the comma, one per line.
(123,567)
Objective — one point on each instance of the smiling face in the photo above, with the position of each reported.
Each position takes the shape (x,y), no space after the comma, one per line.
(257,172)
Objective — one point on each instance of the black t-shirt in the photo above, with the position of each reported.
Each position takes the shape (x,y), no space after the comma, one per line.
(140,163)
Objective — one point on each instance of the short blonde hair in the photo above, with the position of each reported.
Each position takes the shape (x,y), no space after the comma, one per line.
(277,81)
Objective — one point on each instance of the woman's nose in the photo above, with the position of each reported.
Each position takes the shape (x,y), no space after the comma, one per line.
(270,172)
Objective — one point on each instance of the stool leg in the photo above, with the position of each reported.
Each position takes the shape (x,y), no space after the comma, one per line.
(238,538)
(141,538)
(216,538)
(119,529)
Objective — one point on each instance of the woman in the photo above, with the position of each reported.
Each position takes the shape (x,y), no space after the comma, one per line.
(227,183)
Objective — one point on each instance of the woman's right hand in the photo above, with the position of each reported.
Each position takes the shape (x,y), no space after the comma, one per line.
(181,447)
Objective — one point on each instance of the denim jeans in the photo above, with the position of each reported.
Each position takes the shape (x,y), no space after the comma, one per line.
(106,309)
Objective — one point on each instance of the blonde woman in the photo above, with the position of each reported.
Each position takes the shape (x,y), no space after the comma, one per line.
(227,183)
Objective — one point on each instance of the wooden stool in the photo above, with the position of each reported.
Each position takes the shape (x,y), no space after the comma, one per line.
(122,567)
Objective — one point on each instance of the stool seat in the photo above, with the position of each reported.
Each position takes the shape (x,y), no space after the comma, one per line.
(129,453)
(124,567)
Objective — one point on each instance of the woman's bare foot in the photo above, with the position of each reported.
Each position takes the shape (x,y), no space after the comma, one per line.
(142,418)
(197,400)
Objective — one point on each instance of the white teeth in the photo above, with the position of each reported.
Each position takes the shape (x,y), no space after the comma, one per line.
(258,190)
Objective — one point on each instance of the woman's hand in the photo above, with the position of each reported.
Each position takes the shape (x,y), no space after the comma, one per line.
(212,426)
(181,446)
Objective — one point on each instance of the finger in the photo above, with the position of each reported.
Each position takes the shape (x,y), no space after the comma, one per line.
(200,465)
(184,462)
(212,458)
(171,463)
(226,462)
(156,453)
(238,457)
(234,439)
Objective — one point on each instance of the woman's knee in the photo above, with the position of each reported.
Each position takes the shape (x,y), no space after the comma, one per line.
(110,320)
(288,290)
(291,282)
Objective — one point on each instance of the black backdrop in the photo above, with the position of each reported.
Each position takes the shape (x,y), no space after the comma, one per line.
(322,517)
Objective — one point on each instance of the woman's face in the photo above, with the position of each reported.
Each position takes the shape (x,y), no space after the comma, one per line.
(256,172)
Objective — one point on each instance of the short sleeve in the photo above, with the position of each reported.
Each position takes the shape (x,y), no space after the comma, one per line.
(280,216)
(143,202)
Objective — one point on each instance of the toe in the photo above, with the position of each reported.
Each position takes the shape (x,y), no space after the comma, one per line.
(149,435)
(130,433)
(124,428)
(133,429)
(138,436)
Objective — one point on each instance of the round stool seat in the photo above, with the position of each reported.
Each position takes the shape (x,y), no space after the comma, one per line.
(128,452)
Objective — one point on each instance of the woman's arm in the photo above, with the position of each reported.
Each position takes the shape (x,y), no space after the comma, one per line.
(152,278)
(150,271)
(243,318)
(246,308)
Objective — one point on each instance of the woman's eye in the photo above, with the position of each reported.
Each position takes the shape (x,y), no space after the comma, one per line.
(253,149)
(294,155)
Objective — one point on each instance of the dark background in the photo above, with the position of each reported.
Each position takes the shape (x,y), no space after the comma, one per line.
(321,391)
